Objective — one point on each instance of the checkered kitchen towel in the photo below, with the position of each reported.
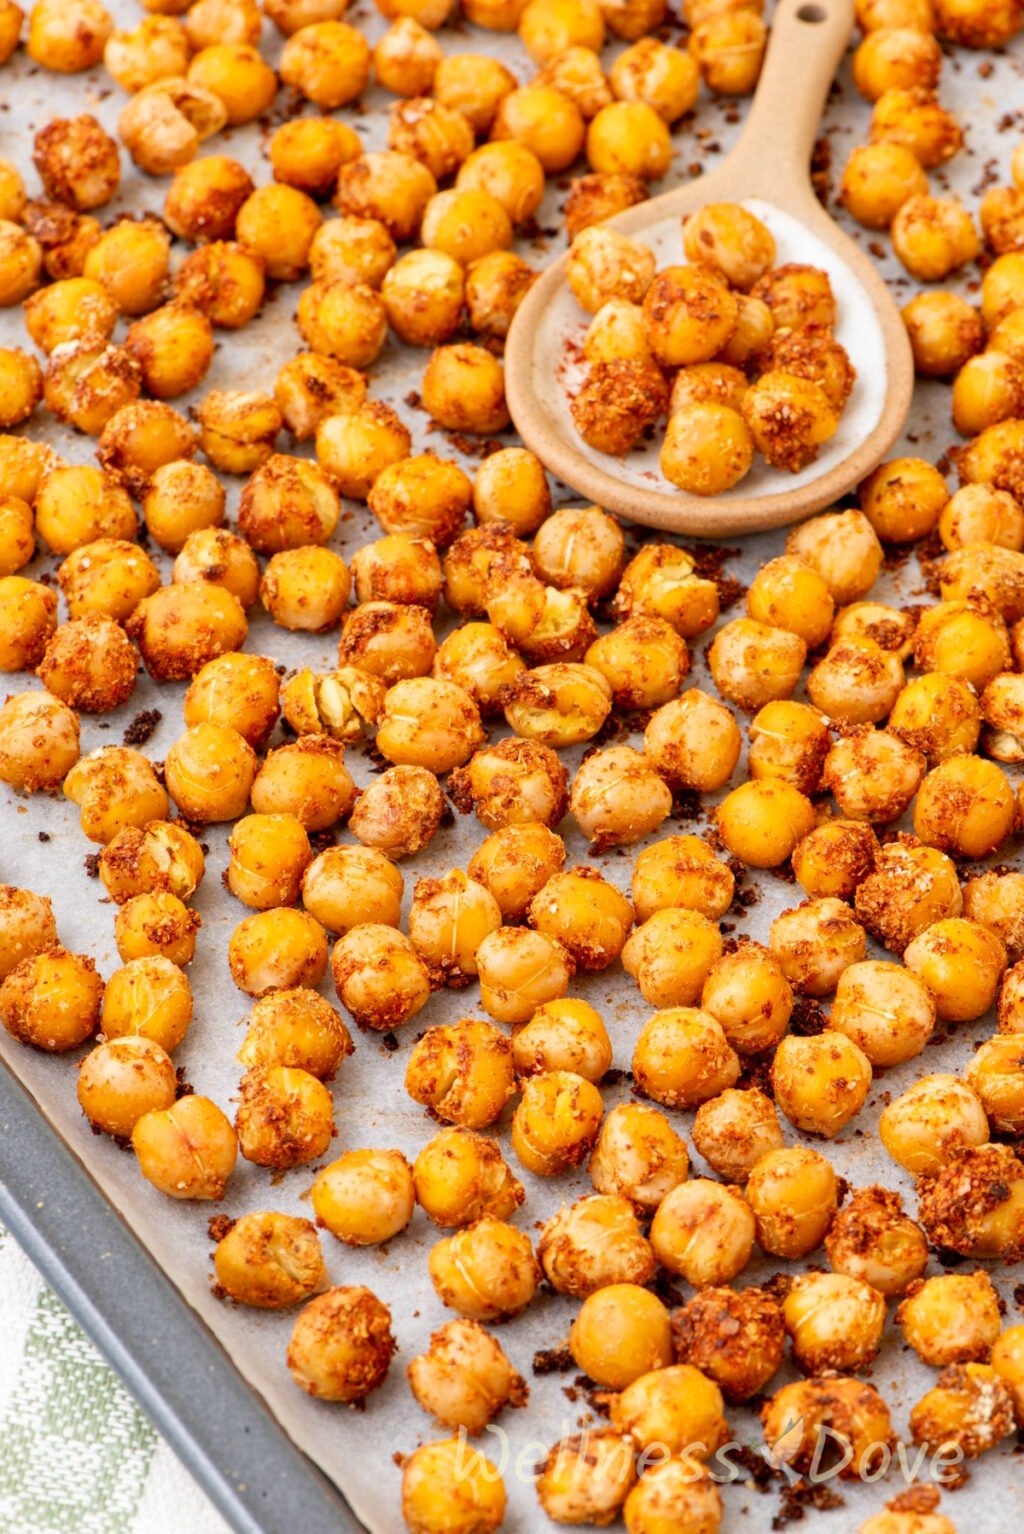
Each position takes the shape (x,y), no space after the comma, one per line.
(76,1454)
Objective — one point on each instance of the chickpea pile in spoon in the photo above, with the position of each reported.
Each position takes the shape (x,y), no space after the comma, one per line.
(490,635)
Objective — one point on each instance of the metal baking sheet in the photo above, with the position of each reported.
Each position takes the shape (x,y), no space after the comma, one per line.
(357,1450)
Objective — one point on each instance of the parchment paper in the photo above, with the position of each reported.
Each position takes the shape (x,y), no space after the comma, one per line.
(371,1107)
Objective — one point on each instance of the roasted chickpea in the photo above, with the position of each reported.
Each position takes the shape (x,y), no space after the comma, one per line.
(885,1009)
(639,1156)
(188,1150)
(671,955)
(428,723)
(753,664)
(51,1000)
(365,1197)
(225,281)
(820,1082)
(952,1319)
(131,261)
(399,812)
(873,1240)
(515,782)
(156,925)
(121,1079)
(221,558)
(306,589)
(236,691)
(735,1339)
(284,1117)
(586,1478)
(545,121)
(734,1130)
(973,1204)
(703,1231)
(486,1271)
(618,797)
(21,262)
(795,1418)
(965,806)
(478,658)
(38,742)
(237,430)
(473,84)
(729,46)
(873,774)
(496,285)
(449,920)
(27,926)
(341,1345)
(748,993)
(76,309)
(28,617)
(115,787)
(407,58)
(464,389)
(357,446)
(310,388)
(238,75)
(269,854)
(793,1193)
(295,1028)
(694,742)
(210,772)
(306,778)
(994,900)
(423,496)
(460,1177)
(678,1408)
(328,62)
(878,179)
(24,465)
(464,1378)
(380,978)
(180,628)
(17,534)
(682,1057)
(164,123)
(762,821)
(521,971)
(90,663)
(88,382)
(388,186)
(945,332)
(620,1332)
(476,558)
(67,36)
(815,943)
(556,1122)
(510,172)
(586,914)
(462,1072)
(896,58)
(789,742)
(308,152)
(445,1489)
(932,1120)
(969,1409)
(270,1261)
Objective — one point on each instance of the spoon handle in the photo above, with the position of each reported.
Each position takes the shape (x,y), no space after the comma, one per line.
(807,41)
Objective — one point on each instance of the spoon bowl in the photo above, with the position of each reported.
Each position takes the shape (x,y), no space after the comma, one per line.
(768,173)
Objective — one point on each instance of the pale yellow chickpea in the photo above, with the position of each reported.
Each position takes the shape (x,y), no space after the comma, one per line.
(618,797)
(21,261)
(951,1319)
(68,37)
(187,1151)
(462,1072)
(788,593)
(856,681)
(620,1332)
(671,955)
(682,1057)
(753,664)
(793,1193)
(834,1322)
(694,742)
(594,1243)
(464,1378)
(28,611)
(638,1155)
(585,1478)
(38,742)
(945,332)
(559,705)
(449,920)
(269,854)
(815,943)
(789,742)
(120,1080)
(747,991)
(51,1000)
(679,1408)
(380,978)
(115,786)
(521,971)
(844,548)
(163,124)
(981,514)
(931,1121)
(148,998)
(156,926)
(885,1009)
(365,1197)
(428,723)
(238,429)
(306,589)
(446,1488)
(355,447)
(460,1177)
(341,1345)
(486,1271)
(873,1240)
(734,1130)
(704,1232)
(961,963)
(131,261)
(762,821)
(388,186)
(328,62)
(407,58)
(994,900)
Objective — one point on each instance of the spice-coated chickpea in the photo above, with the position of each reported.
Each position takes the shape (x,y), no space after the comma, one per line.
(328,62)
(28,615)
(142,438)
(284,1117)
(514,782)
(896,58)
(972,1205)
(365,1197)
(380,978)
(788,593)
(747,991)
(844,548)
(682,1057)
(464,389)
(310,388)
(399,812)
(496,284)
(188,1150)
(795,1417)
(937,714)
(945,331)
(478,658)
(238,692)
(90,664)
(856,681)
(981,514)
(27,926)
(221,558)
(815,943)
(182,498)
(407,58)
(694,742)
(789,742)
(734,1130)
(789,418)
(24,465)
(834,1322)
(460,1177)
(878,179)
(464,1378)
(270,1261)
(585,1478)
(428,723)
(951,1319)
(969,1409)
(703,1231)
(210,772)
(346,323)
(961,963)
(68,36)
(77,162)
(308,152)
(543,120)
(388,186)
(51,1000)
(173,348)
(462,1072)
(1006,1359)
(296,1028)
(521,971)
(423,297)
(109,576)
(447,1490)
(729,46)
(994,900)
(465,224)
(163,124)
(486,1271)
(121,1079)
(115,787)
(157,925)
(515,863)
(735,1338)
(548,625)
(78,503)
(873,1240)
(873,774)
(662,581)
(21,260)
(753,664)
(473,84)
(449,919)
(678,1408)
(423,496)
(269,854)
(17,534)
(341,1345)
(644,660)
(345,886)
(436,135)
(639,1156)
(671,955)
(587,915)
(239,76)
(287,504)
(510,172)
(238,429)
(603,265)
(930,1121)
(618,797)
(683,872)
(965,806)
(358,445)
(821,1082)
(13,196)
(933,236)
(360,250)
(593,1243)
(182,627)
(148,998)
(306,589)
(794,1195)
(963,639)
(38,742)
(556,1122)
(308,779)
(994,1071)
(204,200)
(885,1009)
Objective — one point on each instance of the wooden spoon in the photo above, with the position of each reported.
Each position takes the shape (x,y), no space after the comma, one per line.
(767,171)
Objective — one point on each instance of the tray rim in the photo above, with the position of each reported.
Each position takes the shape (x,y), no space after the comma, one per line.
(154,1340)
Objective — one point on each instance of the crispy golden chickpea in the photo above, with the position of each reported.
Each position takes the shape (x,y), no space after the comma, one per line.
(388,186)
(464,1378)
(471,83)
(448,921)
(797,1416)
(994,900)
(556,1122)
(896,58)
(28,620)
(88,382)
(618,798)
(563,1035)
(423,496)
(878,179)
(407,58)
(308,152)
(399,812)
(793,1193)
(308,779)
(753,663)
(952,1319)
(965,806)
(355,447)
(173,348)
(344,886)
(464,389)
(671,955)
(461,1177)
(115,787)
(885,1009)
(639,1156)
(973,1204)
(815,943)
(180,628)
(423,296)
(27,926)
(994,1071)
(856,681)
(436,135)
(747,991)
(210,772)
(970,1409)
(515,782)
(186,1151)
(237,429)
(707,449)
(269,854)
(844,548)
(873,774)
(820,1082)
(449,1490)
(593,1243)
(735,1338)
(67,36)
(478,658)
(586,1478)
(486,1271)
(38,742)
(142,438)
(603,265)
(515,863)
(933,236)
(788,593)
(24,465)
(945,332)
(121,1079)
(21,261)
(682,1057)
(131,261)
(77,504)
(295,1028)
(237,74)
(181,498)
(521,971)
(981,514)
(306,589)
(163,124)
(222,21)
(90,664)
(380,978)
(734,1130)
(704,1232)
(156,925)
(678,1408)
(13,197)
(221,558)
(510,486)
(278,223)
(365,1197)
(872,14)
(51,1000)
(932,1120)
(225,281)
(762,821)
(620,1332)
(310,388)
(835,1322)
(496,284)
(903,498)
(789,742)
(643,660)
(694,742)
(428,723)
(236,691)
(586,914)
(77,162)
(21,386)
(962,640)
(629,138)
(1006,1359)
(17,534)
(508,171)
(548,625)
(545,121)
(284,1117)
(205,198)
(328,62)
(270,1261)
(159,856)
(462,1072)
(937,714)
(341,1345)
(871,1239)
(728,46)
(789,418)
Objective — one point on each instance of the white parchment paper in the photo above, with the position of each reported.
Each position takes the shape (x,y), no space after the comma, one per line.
(371,1107)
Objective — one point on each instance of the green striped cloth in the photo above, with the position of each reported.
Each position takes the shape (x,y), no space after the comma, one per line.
(76,1454)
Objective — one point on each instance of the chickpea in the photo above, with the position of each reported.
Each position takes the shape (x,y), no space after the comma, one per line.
(90,664)
(844,548)
(945,333)
(938,714)
(682,1057)
(428,723)
(269,854)
(603,265)
(678,1407)
(77,309)
(436,135)
(972,1205)
(355,448)
(67,36)
(214,555)
(510,486)
(693,742)
(1006,1360)
(556,1122)
(24,465)
(486,1271)
(729,48)
(284,1117)
(896,58)
(188,1150)
(237,429)
(872,14)
(149,998)
(210,772)
(462,1072)
(88,382)
(365,1197)
(515,782)
(995,1074)
(423,497)
(295,1028)
(17,534)
(734,1130)
(115,787)
(407,58)
(509,171)
(225,281)
(644,662)
(205,199)
(380,978)
(965,806)
(21,260)
(586,1478)
(239,692)
(545,121)
(399,812)
(994,901)
(753,664)
(878,179)
(671,955)
(180,628)
(815,943)
(341,1345)
(77,162)
(310,388)
(238,75)
(932,1120)
(308,152)
(762,821)
(873,1240)
(856,682)
(620,1332)
(51,999)
(969,1409)
(131,261)
(156,925)
(496,285)
(952,1319)
(962,640)
(821,1082)
(587,915)
(478,658)
(593,1244)
(618,797)
(563,1036)
(445,1489)
(270,1261)
(38,742)
(464,389)
(547,625)
(703,1231)
(27,926)
(289,15)
(164,123)
(1011,1001)
(473,84)
(789,742)
(328,62)
(28,611)
(120,1080)
(989,459)
(639,1156)
(223,21)
(748,993)
(159,856)
(306,589)
(795,1418)
(464,1378)
(521,971)
(793,1194)
(981,514)
(449,920)
(735,1339)
(388,186)
(308,779)
(461,1177)
(423,296)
